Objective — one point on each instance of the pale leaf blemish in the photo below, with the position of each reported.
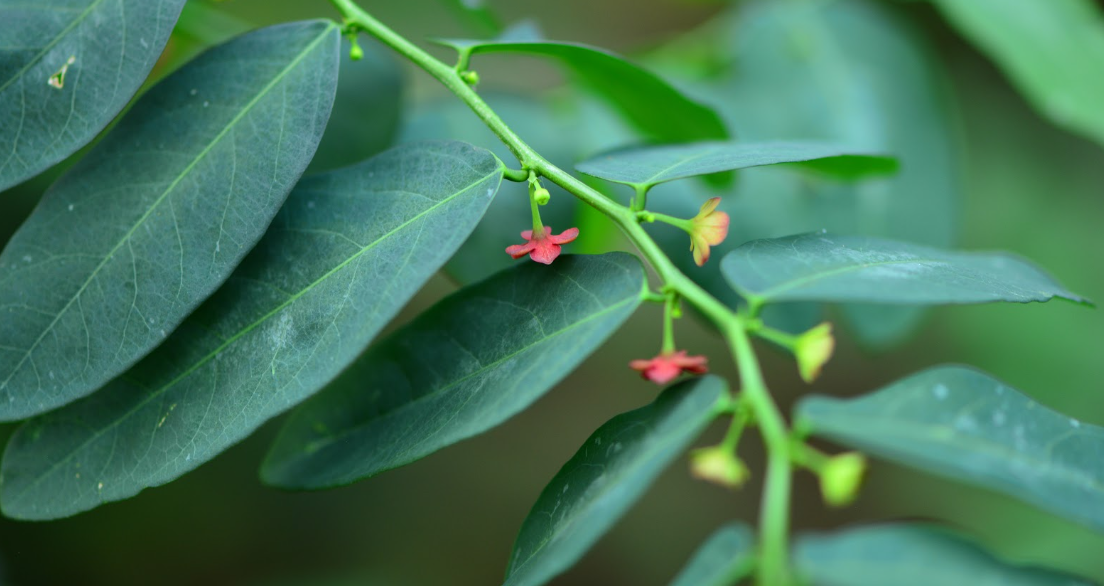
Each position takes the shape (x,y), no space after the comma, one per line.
(57,80)
(940,391)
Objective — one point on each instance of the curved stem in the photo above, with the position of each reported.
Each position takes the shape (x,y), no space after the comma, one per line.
(774,519)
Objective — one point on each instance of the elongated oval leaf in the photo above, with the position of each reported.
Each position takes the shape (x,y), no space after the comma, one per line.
(156,217)
(724,559)
(823,267)
(910,555)
(649,166)
(465,366)
(1051,50)
(639,94)
(67,67)
(344,255)
(618,462)
(963,424)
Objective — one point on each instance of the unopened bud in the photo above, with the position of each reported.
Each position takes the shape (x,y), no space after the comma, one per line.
(718,465)
(541,196)
(813,349)
(841,478)
(356,53)
(470,77)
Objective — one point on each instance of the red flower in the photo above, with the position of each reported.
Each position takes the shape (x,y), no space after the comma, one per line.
(666,367)
(709,228)
(544,248)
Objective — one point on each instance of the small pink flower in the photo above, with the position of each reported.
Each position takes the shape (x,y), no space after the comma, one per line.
(666,367)
(709,228)
(543,248)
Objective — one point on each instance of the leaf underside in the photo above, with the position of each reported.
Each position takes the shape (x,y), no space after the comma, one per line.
(726,557)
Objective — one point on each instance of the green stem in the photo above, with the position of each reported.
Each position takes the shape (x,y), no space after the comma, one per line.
(774,523)
(669,323)
(641,198)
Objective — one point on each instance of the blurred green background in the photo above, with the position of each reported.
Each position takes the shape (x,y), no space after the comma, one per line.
(1027,187)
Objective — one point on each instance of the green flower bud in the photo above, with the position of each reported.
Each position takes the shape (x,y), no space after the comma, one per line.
(813,349)
(356,53)
(470,77)
(841,478)
(718,465)
(541,196)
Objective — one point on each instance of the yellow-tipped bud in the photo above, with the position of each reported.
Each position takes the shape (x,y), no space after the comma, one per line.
(813,349)
(841,478)
(718,465)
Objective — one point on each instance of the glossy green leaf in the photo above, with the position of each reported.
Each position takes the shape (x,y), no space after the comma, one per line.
(649,166)
(963,424)
(637,93)
(155,217)
(345,254)
(826,267)
(1051,49)
(67,67)
(910,555)
(606,476)
(471,362)
(723,560)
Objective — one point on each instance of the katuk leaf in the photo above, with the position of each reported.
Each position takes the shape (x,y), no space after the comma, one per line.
(345,254)
(910,555)
(636,92)
(155,217)
(646,167)
(67,67)
(613,468)
(726,557)
(471,362)
(827,267)
(967,426)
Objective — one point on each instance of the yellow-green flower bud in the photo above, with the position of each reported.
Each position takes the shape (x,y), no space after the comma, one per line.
(541,196)
(841,477)
(718,465)
(813,349)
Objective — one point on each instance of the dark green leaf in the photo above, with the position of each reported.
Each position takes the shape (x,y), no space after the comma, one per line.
(649,166)
(824,267)
(155,217)
(723,560)
(637,93)
(67,67)
(904,555)
(347,251)
(1051,49)
(465,366)
(963,424)
(606,476)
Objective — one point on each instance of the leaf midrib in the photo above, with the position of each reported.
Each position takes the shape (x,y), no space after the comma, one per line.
(768,293)
(230,341)
(76,21)
(180,177)
(323,443)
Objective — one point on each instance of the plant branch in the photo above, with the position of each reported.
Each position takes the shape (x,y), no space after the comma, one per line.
(774,521)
